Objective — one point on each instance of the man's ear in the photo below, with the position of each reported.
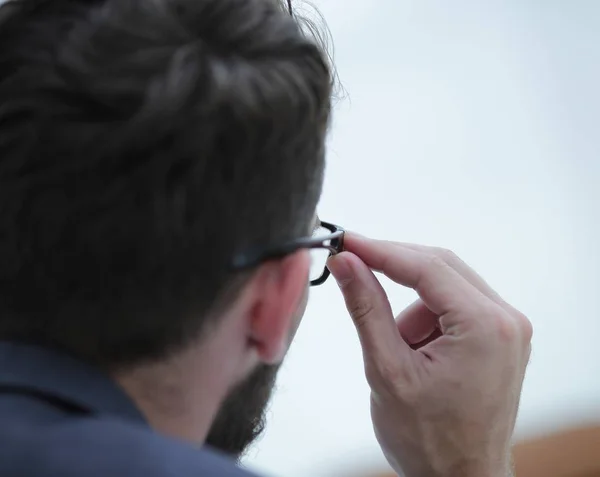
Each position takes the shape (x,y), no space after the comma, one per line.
(281,288)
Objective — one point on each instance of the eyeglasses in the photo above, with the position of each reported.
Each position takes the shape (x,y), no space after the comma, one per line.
(327,240)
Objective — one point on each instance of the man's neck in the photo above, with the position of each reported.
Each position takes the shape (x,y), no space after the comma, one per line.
(179,397)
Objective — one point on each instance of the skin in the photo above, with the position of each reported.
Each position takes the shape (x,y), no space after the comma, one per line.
(182,396)
(445,375)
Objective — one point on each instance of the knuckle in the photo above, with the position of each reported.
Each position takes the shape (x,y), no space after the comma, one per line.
(523,324)
(436,263)
(526,326)
(447,255)
(507,329)
(434,266)
(360,310)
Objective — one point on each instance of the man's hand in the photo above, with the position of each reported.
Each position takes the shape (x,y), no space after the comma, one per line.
(446,374)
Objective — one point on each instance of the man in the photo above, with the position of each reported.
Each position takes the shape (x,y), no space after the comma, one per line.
(160,166)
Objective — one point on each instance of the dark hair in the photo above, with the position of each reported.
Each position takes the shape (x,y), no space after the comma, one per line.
(143,143)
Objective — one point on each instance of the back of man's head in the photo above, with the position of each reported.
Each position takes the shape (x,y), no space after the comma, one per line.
(142,144)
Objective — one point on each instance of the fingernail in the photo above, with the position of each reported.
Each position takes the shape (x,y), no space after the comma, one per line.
(341,270)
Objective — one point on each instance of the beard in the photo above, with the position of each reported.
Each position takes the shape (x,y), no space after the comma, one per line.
(242,416)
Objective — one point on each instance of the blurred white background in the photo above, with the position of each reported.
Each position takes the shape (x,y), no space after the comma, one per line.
(474,126)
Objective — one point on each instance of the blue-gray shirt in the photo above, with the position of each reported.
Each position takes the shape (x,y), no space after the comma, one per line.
(60,417)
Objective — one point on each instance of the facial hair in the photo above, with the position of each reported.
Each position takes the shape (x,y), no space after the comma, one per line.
(242,416)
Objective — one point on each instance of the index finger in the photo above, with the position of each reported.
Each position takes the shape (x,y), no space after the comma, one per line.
(440,287)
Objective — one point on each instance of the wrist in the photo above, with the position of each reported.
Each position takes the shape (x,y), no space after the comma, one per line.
(481,469)
(496,471)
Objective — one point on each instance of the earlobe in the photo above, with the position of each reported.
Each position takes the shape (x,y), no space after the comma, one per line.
(281,291)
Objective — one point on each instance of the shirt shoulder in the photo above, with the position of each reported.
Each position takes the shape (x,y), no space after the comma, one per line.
(97,447)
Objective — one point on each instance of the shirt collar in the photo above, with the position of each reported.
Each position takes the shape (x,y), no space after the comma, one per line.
(51,373)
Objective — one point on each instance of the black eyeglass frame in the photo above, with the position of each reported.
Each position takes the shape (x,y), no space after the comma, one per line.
(333,242)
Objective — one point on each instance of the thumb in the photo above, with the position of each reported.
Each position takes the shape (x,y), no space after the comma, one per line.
(369,309)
